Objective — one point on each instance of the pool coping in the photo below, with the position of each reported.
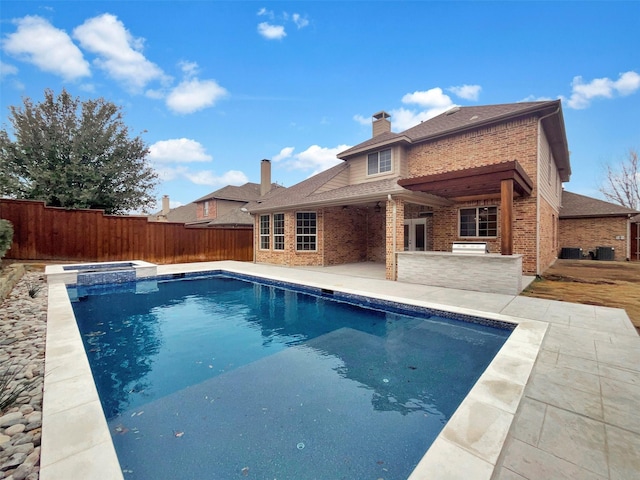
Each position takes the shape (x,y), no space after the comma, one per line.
(76,442)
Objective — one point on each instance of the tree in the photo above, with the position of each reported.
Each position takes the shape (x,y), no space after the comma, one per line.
(622,185)
(75,154)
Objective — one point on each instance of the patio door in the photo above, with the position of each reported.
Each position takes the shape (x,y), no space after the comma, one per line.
(415,235)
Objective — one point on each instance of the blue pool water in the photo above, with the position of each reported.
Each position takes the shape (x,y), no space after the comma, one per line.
(222,378)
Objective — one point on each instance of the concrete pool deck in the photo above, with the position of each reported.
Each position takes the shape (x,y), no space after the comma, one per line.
(559,400)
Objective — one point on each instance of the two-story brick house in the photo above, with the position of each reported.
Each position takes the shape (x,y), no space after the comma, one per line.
(487,173)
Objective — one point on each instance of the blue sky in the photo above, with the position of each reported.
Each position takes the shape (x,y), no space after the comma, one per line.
(214,87)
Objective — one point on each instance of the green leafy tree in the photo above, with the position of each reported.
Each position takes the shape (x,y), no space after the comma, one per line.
(75,154)
(622,183)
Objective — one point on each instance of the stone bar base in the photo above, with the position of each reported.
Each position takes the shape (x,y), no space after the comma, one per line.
(491,273)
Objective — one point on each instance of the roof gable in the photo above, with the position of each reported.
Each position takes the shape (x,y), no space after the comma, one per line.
(459,119)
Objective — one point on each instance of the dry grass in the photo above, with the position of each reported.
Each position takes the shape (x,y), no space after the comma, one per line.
(610,284)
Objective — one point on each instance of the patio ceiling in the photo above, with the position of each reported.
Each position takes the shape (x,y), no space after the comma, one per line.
(472,182)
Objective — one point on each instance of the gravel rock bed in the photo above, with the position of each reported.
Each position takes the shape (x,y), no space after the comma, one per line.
(23,324)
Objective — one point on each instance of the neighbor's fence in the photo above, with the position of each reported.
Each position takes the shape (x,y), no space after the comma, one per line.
(51,233)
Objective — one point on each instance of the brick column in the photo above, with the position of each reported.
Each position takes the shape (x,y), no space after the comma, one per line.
(398,225)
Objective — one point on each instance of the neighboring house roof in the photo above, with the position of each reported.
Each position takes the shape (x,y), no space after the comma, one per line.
(459,119)
(235,217)
(183,214)
(580,206)
(243,193)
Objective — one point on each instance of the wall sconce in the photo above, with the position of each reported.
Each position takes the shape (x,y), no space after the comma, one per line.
(377,208)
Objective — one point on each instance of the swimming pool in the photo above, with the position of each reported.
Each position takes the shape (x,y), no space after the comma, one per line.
(289,392)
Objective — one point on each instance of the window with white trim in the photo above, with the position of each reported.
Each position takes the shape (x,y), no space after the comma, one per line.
(278,231)
(478,222)
(379,162)
(206,208)
(306,231)
(265,233)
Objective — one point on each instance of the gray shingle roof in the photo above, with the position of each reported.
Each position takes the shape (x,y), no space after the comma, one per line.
(304,193)
(575,205)
(182,214)
(233,217)
(244,193)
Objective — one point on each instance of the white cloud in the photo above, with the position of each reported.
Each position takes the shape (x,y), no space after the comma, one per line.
(433,98)
(583,93)
(299,20)
(271,32)
(50,49)
(190,69)
(166,174)
(263,12)
(119,53)
(628,83)
(402,119)
(7,69)
(208,177)
(286,152)
(316,158)
(468,92)
(362,120)
(178,150)
(193,95)
(533,98)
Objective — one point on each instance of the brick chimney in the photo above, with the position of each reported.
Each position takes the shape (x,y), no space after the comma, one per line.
(265,177)
(381,124)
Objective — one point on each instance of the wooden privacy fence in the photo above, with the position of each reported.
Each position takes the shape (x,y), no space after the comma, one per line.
(51,233)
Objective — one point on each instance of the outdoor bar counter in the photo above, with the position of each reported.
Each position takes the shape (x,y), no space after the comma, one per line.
(490,272)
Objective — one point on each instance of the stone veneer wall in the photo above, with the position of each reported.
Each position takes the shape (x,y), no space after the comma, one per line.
(514,140)
(482,273)
(589,233)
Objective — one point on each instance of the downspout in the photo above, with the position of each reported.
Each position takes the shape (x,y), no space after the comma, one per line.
(394,236)
(628,239)
(538,188)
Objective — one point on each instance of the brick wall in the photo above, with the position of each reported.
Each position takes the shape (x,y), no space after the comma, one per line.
(345,235)
(213,211)
(399,228)
(589,233)
(515,140)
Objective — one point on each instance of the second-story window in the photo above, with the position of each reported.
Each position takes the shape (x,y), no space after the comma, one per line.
(379,162)
(206,208)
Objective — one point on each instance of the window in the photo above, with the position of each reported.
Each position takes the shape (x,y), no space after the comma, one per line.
(264,232)
(306,231)
(206,208)
(479,222)
(278,231)
(379,162)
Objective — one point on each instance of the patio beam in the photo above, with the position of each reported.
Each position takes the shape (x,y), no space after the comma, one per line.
(506,217)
